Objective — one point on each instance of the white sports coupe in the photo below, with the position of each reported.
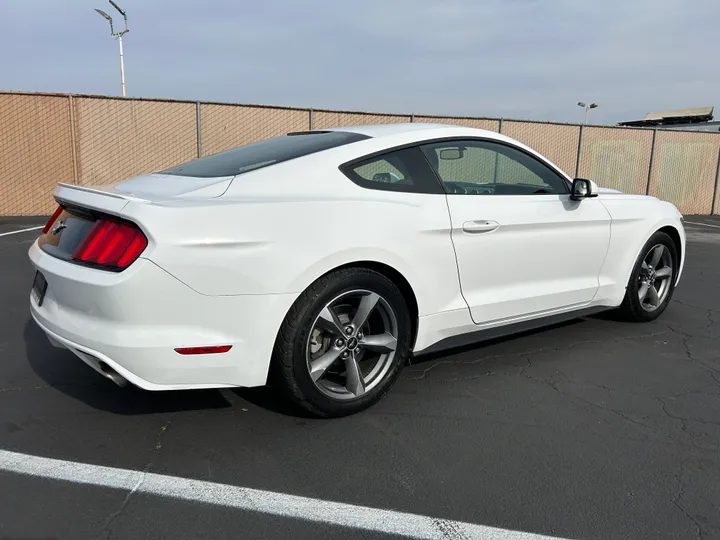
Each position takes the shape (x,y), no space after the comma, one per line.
(320,261)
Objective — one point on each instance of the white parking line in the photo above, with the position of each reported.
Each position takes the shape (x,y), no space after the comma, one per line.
(702,224)
(255,500)
(22,230)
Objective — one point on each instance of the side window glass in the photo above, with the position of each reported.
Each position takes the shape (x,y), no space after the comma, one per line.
(400,170)
(488,168)
(382,170)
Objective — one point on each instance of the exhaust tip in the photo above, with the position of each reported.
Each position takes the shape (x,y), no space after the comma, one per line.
(113,375)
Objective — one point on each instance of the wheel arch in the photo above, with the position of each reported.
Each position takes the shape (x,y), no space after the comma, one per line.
(674,234)
(400,281)
(397,278)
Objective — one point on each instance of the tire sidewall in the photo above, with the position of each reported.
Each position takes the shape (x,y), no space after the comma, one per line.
(631,299)
(366,280)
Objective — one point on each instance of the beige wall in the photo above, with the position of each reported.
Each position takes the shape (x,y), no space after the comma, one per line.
(35,152)
(226,126)
(558,143)
(118,138)
(328,119)
(685,169)
(617,158)
(50,138)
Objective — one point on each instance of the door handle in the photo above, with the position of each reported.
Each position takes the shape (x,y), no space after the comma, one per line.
(480,226)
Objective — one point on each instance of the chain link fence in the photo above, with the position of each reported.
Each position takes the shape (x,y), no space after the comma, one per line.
(91,140)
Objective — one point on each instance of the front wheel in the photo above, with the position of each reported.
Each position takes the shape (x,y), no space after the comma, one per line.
(343,343)
(652,281)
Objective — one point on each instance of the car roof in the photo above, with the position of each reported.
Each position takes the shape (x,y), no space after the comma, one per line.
(389,135)
(386,130)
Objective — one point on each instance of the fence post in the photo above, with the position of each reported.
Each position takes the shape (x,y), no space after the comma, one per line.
(579,152)
(715,188)
(500,124)
(73,139)
(197,129)
(310,119)
(652,160)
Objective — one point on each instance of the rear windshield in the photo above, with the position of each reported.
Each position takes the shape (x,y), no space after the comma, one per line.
(263,153)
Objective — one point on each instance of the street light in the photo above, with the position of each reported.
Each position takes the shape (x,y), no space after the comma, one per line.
(119,36)
(587,108)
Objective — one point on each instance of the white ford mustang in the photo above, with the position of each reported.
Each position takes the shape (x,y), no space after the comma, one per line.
(320,261)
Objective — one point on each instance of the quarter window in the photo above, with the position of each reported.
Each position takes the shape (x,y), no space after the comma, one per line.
(477,167)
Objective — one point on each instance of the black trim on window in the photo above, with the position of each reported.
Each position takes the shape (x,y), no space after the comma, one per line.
(441,187)
(421,174)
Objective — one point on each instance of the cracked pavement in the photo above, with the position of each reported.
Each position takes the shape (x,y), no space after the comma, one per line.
(592,429)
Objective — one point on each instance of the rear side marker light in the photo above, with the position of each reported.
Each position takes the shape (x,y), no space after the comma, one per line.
(204,350)
(111,243)
(52,219)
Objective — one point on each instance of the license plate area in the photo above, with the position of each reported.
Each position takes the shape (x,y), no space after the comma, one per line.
(39,287)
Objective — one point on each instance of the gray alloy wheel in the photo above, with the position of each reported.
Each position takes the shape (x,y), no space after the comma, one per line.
(343,343)
(352,344)
(655,277)
(652,281)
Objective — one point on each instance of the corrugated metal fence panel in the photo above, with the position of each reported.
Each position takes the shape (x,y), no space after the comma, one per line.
(477,123)
(558,143)
(616,158)
(684,170)
(121,138)
(330,119)
(226,126)
(35,152)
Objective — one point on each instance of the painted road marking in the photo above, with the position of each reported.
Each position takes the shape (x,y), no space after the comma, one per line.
(256,500)
(703,224)
(22,230)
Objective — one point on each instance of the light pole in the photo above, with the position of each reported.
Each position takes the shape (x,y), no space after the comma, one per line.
(587,108)
(119,36)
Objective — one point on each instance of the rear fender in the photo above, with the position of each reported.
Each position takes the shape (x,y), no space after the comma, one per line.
(356,257)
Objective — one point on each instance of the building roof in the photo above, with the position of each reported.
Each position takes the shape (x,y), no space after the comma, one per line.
(689,116)
(680,113)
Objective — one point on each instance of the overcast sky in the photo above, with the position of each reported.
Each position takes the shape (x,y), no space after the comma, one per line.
(513,58)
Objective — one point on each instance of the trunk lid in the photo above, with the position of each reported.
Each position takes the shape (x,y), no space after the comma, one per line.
(83,206)
(160,187)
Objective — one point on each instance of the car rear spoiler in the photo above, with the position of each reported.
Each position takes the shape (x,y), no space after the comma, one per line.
(96,198)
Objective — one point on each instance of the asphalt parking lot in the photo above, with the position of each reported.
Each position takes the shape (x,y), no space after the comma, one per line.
(591,430)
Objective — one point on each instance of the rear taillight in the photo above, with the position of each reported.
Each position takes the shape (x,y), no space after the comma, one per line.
(52,219)
(111,243)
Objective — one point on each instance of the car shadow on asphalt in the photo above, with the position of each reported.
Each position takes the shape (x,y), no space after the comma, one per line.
(423,358)
(63,371)
(270,399)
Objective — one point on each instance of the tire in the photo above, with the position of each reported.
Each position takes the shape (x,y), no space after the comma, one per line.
(312,330)
(632,309)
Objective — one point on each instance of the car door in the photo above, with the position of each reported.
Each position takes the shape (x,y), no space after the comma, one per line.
(523,248)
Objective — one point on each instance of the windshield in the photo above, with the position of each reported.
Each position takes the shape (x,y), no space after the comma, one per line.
(263,153)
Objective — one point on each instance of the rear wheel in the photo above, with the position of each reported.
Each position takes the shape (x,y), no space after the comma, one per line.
(652,281)
(343,343)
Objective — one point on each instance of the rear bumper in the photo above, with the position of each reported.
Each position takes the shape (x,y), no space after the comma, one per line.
(132,321)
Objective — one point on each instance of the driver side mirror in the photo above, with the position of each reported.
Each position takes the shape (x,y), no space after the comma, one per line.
(583,189)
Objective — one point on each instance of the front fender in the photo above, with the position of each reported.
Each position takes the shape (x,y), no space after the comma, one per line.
(634,220)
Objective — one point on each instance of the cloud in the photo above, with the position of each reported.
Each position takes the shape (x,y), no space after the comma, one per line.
(511,58)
